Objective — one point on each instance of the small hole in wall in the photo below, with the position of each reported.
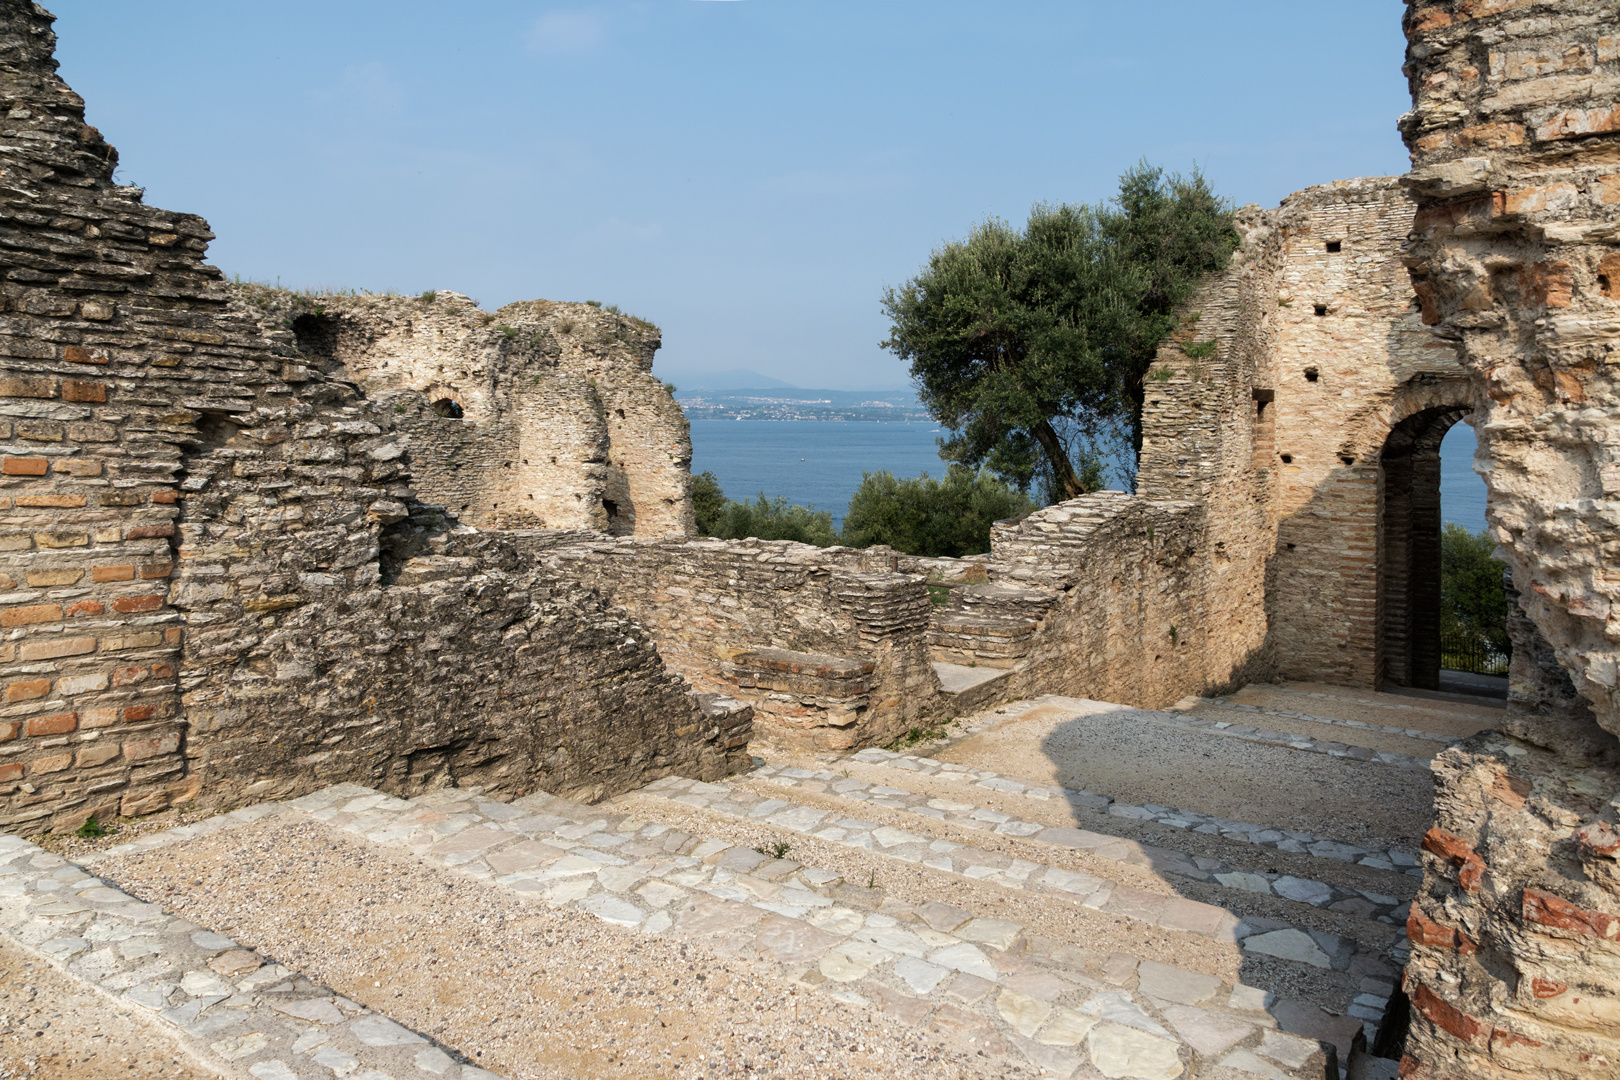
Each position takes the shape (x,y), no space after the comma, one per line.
(1347,459)
(1334,245)
(1321,309)
(1288,459)
(531,494)
(554,461)
(620,412)
(449,408)
(1311,374)
(506,464)
(465,505)
(1289,546)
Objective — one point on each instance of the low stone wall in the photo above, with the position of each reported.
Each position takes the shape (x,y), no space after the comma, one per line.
(828,646)
(1136,617)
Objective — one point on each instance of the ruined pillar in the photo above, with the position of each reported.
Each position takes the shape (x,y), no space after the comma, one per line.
(1515,257)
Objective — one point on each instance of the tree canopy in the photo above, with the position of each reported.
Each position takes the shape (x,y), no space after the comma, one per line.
(1473,603)
(1031,346)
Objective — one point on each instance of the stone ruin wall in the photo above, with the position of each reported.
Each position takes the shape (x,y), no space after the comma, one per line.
(829,646)
(1515,252)
(538,415)
(1351,361)
(218,585)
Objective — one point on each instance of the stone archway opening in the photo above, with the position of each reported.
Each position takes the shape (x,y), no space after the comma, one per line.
(1409,530)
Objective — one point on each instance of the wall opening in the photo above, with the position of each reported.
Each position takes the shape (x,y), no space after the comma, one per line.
(1265,429)
(449,408)
(1409,530)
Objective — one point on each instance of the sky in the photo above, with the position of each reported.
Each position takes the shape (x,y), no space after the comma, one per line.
(747,174)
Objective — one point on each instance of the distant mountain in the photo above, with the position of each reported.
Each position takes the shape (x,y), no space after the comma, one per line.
(730,379)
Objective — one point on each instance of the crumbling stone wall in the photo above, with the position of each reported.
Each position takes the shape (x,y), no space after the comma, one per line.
(196,605)
(1515,141)
(828,645)
(538,415)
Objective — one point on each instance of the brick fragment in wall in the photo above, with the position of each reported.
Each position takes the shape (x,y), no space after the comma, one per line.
(221,509)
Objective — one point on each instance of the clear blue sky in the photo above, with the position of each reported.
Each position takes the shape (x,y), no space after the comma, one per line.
(748,174)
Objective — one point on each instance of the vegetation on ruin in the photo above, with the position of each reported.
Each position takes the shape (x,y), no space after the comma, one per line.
(947,517)
(1032,345)
(1473,604)
(761,518)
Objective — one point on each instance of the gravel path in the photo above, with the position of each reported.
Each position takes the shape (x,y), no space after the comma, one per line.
(1275,720)
(523,989)
(1392,710)
(53,1027)
(1141,762)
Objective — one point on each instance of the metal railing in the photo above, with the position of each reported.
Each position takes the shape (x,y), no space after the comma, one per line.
(1464,652)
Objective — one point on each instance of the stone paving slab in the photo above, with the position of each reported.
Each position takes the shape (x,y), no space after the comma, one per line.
(1175,913)
(1402,860)
(1384,908)
(1031,998)
(240,1012)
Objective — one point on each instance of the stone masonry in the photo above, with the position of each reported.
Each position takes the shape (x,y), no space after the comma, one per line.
(219,585)
(1515,254)
(539,415)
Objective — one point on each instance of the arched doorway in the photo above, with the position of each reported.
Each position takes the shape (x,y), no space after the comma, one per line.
(1409,528)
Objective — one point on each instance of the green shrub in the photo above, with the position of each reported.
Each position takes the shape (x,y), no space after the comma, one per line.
(1473,603)
(708,502)
(776,519)
(762,518)
(925,516)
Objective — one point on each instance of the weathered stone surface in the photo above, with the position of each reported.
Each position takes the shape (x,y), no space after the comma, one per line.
(1514,149)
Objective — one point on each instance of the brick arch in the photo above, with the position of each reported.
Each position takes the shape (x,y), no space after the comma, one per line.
(1409,527)
(1371,431)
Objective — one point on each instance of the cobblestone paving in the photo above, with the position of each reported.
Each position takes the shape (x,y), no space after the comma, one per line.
(1067,1011)
(237,1010)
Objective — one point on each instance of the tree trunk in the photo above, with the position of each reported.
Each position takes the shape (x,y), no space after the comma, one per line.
(1058,458)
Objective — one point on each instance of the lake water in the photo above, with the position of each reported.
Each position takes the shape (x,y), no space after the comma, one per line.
(819,463)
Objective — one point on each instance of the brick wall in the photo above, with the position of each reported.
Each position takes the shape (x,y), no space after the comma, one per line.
(194,607)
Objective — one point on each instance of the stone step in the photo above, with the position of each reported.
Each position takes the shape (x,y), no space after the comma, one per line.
(963,809)
(1369,738)
(238,1012)
(972,979)
(970,637)
(970,687)
(1280,941)
(1454,719)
